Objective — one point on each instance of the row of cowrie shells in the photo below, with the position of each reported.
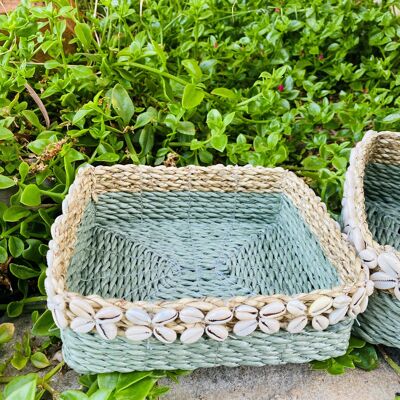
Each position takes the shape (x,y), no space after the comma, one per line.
(386,264)
(324,311)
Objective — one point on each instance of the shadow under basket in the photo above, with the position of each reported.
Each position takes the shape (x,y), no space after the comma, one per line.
(181,268)
(372,219)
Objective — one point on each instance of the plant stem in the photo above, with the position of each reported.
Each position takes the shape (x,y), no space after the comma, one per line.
(389,360)
(155,71)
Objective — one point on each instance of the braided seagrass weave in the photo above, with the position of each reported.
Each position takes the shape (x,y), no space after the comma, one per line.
(164,268)
(371,218)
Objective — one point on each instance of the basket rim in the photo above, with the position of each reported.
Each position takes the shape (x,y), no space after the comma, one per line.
(92,181)
(354,215)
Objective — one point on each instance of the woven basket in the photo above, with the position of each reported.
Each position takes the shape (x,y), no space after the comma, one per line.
(371,218)
(180,268)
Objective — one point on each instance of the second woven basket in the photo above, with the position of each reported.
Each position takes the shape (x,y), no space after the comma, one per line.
(371,218)
(181,268)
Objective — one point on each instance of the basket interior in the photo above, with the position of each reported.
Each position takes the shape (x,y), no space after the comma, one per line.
(171,245)
(382,202)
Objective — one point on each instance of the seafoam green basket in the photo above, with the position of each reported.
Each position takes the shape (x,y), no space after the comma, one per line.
(371,217)
(166,268)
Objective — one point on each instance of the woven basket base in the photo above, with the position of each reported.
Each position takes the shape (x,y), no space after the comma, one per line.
(88,353)
(380,324)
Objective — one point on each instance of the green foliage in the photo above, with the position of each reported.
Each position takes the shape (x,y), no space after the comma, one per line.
(113,386)
(359,354)
(6,332)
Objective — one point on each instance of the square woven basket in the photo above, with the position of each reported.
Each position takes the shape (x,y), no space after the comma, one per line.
(371,218)
(181,268)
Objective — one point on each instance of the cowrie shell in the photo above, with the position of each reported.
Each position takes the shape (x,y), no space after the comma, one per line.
(138,333)
(383,281)
(245,327)
(107,331)
(217,332)
(364,304)
(369,257)
(192,335)
(191,315)
(296,307)
(337,315)
(321,305)
(59,318)
(341,301)
(245,312)
(81,308)
(108,314)
(138,316)
(297,325)
(269,325)
(165,316)
(369,287)
(357,297)
(275,309)
(164,334)
(82,325)
(389,264)
(356,238)
(218,315)
(320,323)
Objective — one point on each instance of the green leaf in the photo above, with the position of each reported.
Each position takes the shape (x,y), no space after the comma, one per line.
(186,127)
(21,388)
(108,380)
(5,134)
(44,326)
(73,395)
(16,246)
(39,360)
(127,380)
(192,96)
(19,360)
(84,34)
(138,391)
(32,118)
(6,332)
(122,103)
(391,118)
(107,157)
(356,343)
(3,255)
(15,308)
(23,170)
(345,360)
(336,368)
(146,117)
(23,272)
(214,119)
(224,92)
(219,142)
(101,394)
(6,182)
(367,358)
(31,196)
(15,213)
(192,67)
(314,163)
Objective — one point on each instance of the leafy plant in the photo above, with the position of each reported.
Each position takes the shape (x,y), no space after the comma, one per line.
(113,386)
(359,354)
